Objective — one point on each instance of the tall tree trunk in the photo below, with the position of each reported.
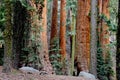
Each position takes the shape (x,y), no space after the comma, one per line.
(104,38)
(38,31)
(83,35)
(33,24)
(73,25)
(93,49)
(7,66)
(103,27)
(63,29)
(54,24)
(118,45)
(19,16)
(43,52)
(63,34)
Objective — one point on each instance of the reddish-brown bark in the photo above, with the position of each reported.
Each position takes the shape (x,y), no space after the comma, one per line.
(63,29)
(83,35)
(103,27)
(54,19)
(43,38)
(54,24)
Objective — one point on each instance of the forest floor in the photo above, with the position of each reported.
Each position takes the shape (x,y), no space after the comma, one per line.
(17,75)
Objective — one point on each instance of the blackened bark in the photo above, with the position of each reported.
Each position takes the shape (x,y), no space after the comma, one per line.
(19,18)
(118,45)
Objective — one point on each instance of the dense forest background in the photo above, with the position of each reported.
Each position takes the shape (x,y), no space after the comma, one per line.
(62,37)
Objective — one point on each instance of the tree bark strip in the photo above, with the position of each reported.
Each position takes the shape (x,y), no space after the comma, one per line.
(83,35)
(54,24)
(63,30)
(93,45)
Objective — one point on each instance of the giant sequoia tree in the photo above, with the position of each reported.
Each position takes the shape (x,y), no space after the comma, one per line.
(19,16)
(38,33)
(83,35)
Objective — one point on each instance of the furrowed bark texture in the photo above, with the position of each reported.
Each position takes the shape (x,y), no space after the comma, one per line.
(83,35)
(19,19)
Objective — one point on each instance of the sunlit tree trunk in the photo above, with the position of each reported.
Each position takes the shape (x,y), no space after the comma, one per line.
(7,66)
(82,54)
(93,45)
(63,29)
(43,38)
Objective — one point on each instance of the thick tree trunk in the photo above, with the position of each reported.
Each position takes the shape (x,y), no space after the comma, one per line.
(63,30)
(38,32)
(19,16)
(83,36)
(43,52)
(93,49)
(7,66)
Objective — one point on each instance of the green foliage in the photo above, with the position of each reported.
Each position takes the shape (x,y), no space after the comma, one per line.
(101,67)
(112,26)
(113,10)
(2,16)
(72,5)
(2,21)
(55,56)
(55,61)
(104,66)
(31,56)
(29,7)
